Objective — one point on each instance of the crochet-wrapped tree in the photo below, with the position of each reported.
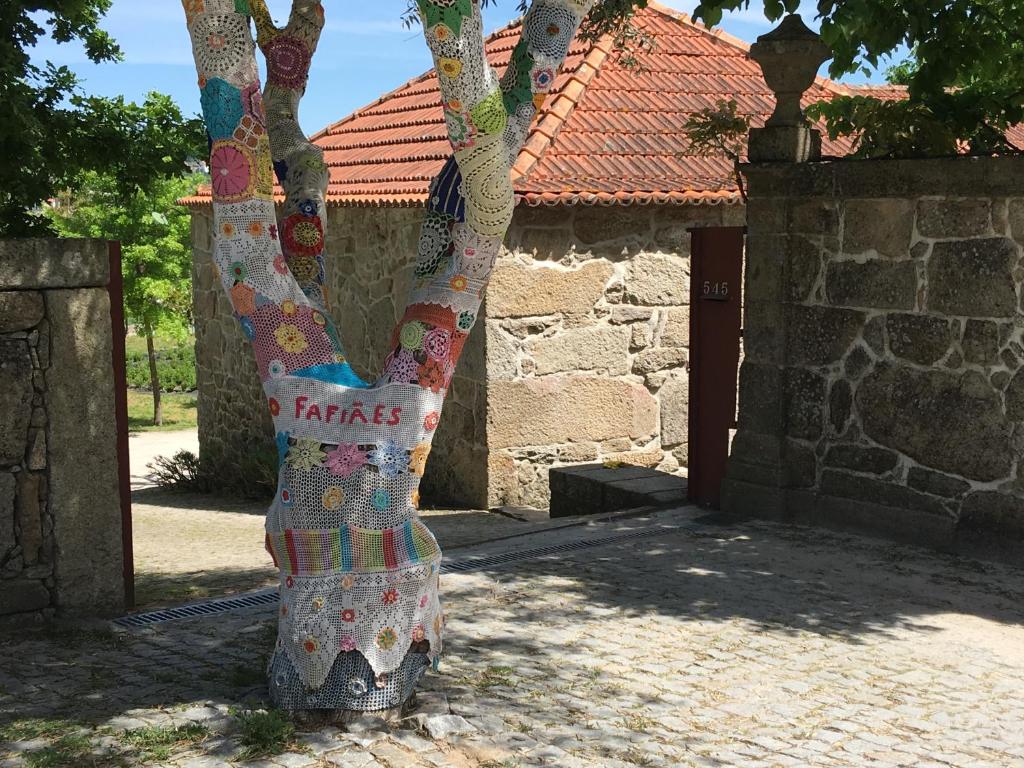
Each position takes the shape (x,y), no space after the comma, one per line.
(360,620)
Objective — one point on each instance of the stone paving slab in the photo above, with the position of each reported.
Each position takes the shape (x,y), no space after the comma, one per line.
(752,644)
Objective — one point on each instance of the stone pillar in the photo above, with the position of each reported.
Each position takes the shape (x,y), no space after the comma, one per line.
(60,511)
(759,469)
(789,57)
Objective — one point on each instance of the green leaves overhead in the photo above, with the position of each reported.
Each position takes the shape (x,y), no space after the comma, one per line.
(51,133)
(963,79)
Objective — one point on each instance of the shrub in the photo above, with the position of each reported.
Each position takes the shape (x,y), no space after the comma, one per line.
(175,365)
(252,475)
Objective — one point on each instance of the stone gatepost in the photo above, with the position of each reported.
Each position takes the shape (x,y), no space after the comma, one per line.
(883,380)
(60,508)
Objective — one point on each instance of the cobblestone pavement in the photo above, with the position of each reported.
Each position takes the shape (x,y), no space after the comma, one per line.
(190,546)
(751,644)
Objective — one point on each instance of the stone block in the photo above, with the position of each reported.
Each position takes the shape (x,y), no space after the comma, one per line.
(518,291)
(821,335)
(659,359)
(922,339)
(546,244)
(936,483)
(857,362)
(502,353)
(594,348)
(952,422)
(674,399)
(760,395)
(948,219)
(676,332)
(784,143)
(840,405)
(804,258)
(804,402)
(7,497)
(973,278)
(599,224)
(814,217)
(23,596)
(801,465)
(83,474)
(1015,398)
(33,263)
(981,342)
(655,279)
(1016,217)
(885,226)
(673,238)
(558,409)
(29,516)
(994,513)
(15,399)
(640,335)
(875,284)
(838,483)
(20,310)
(859,458)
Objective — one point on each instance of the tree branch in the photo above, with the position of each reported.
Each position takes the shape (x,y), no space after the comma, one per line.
(298,162)
(472,199)
(288,330)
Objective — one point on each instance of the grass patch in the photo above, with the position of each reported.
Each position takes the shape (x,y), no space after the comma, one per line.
(491,677)
(639,723)
(72,750)
(265,733)
(35,728)
(179,411)
(159,741)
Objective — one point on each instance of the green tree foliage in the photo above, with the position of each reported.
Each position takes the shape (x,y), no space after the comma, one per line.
(156,250)
(965,82)
(720,130)
(51,133)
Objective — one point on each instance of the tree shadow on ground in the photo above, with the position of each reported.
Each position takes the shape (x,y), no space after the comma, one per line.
(779,578)
(585,619)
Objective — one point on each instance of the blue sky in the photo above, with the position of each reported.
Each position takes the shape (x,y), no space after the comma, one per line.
(365,52)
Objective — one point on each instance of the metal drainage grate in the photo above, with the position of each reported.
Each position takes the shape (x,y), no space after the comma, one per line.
(466,565)
(195,610)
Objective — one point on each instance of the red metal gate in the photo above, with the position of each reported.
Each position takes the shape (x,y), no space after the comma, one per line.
(716,275)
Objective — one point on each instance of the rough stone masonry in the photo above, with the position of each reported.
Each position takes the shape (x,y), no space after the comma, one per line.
(583,355)
(883,383)
(60,513)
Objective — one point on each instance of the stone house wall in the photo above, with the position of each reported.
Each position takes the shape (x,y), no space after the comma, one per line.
(581,353)
(883,384)
(60,510)
(587,343)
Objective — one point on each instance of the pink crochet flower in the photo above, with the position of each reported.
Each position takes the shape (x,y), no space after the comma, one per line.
(345,459)
(230,171)
(438,343)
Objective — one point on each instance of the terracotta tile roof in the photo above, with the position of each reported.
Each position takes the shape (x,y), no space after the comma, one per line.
(606,134)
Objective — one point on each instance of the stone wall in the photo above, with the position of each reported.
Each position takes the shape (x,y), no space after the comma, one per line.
(588,335)
(60,510)
(583,354)
(883,384)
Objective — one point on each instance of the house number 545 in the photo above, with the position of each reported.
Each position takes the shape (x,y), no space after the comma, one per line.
(715,291)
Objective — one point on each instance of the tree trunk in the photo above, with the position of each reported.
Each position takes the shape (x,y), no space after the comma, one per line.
(154,379)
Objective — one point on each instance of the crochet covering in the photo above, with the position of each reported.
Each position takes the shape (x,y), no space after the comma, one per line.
(360,615)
